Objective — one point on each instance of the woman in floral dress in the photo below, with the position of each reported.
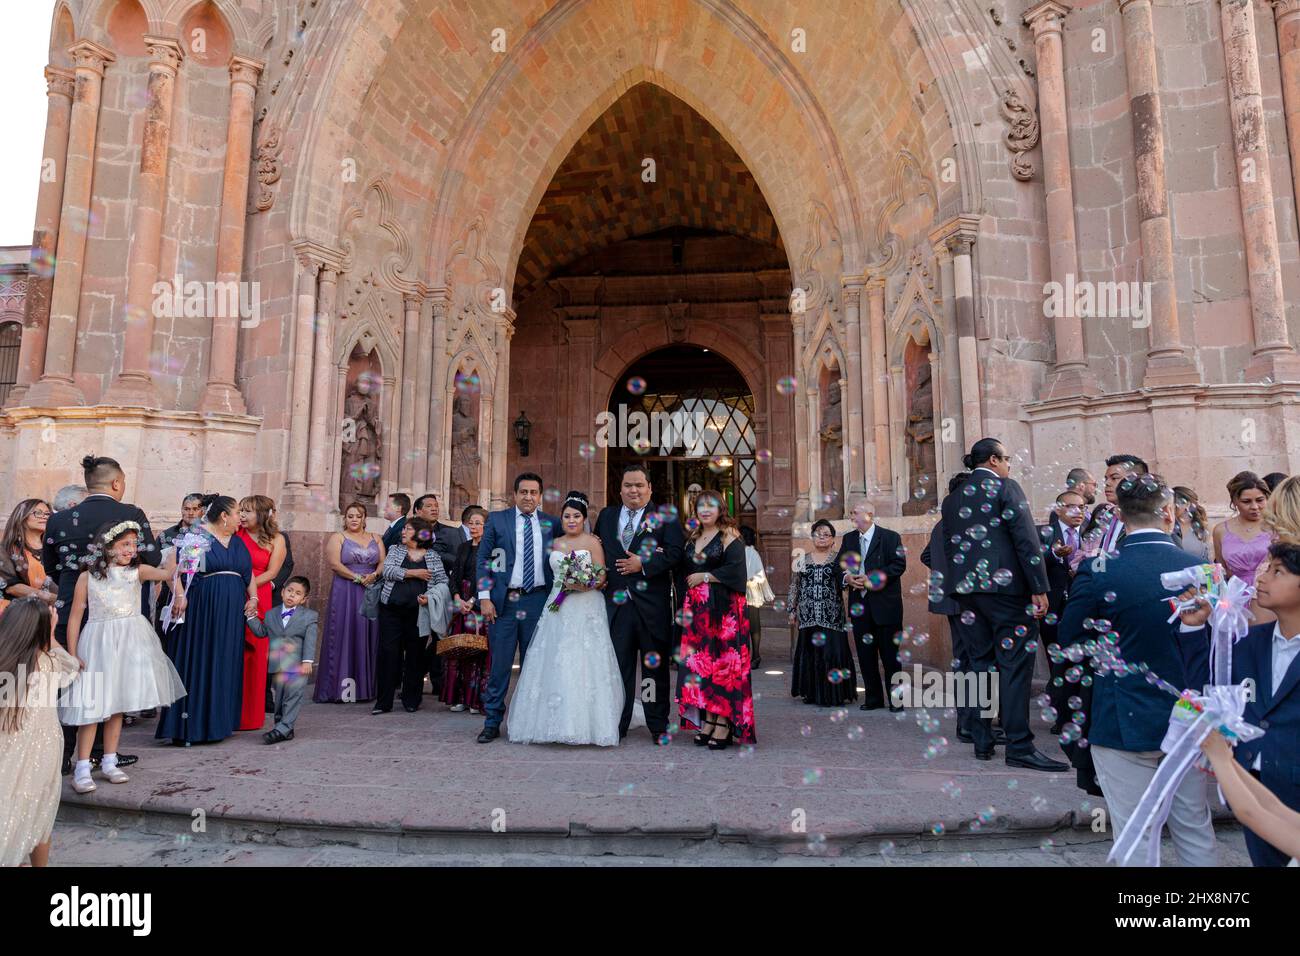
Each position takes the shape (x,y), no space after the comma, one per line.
(716,696)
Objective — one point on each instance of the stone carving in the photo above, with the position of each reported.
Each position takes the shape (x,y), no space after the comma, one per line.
(268,169)
(906,215)
(831,503)
(1022,135)
(464,450)
(921,461)
(362,447)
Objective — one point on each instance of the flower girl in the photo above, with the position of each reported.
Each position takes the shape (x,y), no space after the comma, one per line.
(123,666)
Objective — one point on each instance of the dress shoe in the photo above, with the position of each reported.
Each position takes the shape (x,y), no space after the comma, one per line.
(409,709)
(488,734)
(895,709)
(380,710)
(1034,760)
(964,737)
(660,738)
(871,707)
(274,736)
(125,760)
(984,755)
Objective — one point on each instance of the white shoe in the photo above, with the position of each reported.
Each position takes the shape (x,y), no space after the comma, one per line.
(113,774)
(476,711)
(84,784)
(457,708)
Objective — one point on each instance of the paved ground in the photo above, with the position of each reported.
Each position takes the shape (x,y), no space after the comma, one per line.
(820,783)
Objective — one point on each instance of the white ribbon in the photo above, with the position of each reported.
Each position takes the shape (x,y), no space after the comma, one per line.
(1221,708)
(1229,622)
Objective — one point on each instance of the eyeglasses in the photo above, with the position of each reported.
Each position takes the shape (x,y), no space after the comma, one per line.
(41,514)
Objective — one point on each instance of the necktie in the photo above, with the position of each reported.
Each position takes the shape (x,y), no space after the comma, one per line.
(528,552)
(627,530)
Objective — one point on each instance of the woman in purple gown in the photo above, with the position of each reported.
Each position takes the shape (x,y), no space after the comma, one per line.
(355,556)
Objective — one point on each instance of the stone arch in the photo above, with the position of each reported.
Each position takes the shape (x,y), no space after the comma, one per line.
(124,23)
(392,266)
(219,37)
(366,328)
(63,33)
(241,32)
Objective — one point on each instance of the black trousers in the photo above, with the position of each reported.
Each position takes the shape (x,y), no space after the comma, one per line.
(400,657)
(633,640)
(1059,695)
(966,716)
(996,618)
(876,647)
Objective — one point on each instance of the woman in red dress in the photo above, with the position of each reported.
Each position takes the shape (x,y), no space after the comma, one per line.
(261,535)
(716,696)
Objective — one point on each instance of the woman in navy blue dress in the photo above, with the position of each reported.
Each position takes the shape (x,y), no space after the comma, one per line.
(208,648)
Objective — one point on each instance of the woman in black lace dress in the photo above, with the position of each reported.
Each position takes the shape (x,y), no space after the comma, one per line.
(823,665)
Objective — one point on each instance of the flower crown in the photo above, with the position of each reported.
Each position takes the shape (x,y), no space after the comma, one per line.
(120,528)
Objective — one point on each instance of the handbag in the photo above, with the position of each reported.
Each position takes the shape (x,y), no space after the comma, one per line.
(462,645)
(370,601)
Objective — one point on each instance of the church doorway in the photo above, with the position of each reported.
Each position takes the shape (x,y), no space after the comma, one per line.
(687,414)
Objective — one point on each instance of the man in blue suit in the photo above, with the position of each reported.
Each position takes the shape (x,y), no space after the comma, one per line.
(1130,715)
(514,557)
(1269,656)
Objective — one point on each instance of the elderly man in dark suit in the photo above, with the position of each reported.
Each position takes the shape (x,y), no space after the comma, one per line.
(874,561)
(68,536)
(997,571)
(1129,713)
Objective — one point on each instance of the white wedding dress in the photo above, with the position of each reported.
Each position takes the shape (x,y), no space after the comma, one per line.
(570,690)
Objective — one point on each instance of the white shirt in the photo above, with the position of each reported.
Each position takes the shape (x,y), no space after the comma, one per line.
(539,556)
(864,540)
(1284,653)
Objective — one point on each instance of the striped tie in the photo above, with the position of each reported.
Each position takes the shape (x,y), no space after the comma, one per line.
(627,530)
(528,552)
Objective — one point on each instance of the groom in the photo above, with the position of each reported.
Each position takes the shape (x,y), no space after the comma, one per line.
(514,561)
(638,594)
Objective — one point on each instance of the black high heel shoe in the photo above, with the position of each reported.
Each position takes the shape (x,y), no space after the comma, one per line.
(714,743)
(706,731)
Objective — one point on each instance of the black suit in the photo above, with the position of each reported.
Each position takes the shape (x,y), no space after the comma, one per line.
(1058,592)
(68,536)
(935,557)
(394,533)
(874,630)
(994,570)
(644,621)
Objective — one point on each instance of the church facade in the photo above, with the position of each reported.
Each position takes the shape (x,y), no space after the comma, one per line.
(800,252)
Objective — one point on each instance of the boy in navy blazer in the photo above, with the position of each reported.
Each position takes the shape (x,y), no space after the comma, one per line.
(1269,657)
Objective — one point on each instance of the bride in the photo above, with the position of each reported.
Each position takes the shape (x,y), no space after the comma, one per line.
(570,690)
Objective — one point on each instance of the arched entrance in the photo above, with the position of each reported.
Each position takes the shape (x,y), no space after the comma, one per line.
(687,414)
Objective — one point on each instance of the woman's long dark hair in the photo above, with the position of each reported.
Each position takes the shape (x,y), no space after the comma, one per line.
(24,636)
(14,542)
(267,529)
(216,506)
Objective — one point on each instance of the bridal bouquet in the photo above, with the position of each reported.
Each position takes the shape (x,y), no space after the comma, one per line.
(190,549)
(576,570)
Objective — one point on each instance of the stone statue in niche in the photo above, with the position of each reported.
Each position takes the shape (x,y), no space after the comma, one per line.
(464,454)
(362,449)
(921,459)
(831,503)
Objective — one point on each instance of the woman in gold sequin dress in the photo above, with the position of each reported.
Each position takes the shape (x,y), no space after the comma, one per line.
(31,740)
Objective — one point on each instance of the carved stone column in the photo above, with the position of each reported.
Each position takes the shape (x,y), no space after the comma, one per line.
(958,236)
(1274,357)
(423,383)
(134,385)
(56,386)
(439,439)
(501,417)
(295,478)
(883,478)
(411,360)
(322,438)
(222,392)
(855,438)
(59,86)
(1287,14)
(1046,19)
(1167,360)
(581,326)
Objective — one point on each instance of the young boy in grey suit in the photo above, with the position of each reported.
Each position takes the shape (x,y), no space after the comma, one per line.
(291,627)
